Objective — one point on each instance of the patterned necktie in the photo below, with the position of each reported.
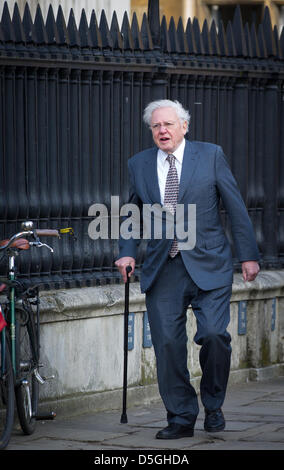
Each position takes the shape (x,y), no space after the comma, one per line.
(171,196)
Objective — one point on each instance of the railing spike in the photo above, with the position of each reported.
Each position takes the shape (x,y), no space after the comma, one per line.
(73,32)
(206,39)
(51,28)
(277,43)
(136,35)
(238,32)
(281,42)
(214,39)
(261,41)
(39,27)
(254,41)
(85,40)
(190,38)
(248,40)
(63,35)
(164,37)
(117,40)
(105,32)
(1,34)
(7,26)
(173,38)
(230,40)
(181,37)
(223,43)
(95,34)
(146,34)
(28,25)
(126,33)
(197,36)
(18,25)
(268,33)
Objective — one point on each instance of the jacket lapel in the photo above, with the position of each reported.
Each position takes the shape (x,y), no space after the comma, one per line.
(189,164)
(151,176)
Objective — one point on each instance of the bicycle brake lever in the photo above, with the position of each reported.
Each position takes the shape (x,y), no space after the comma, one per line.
(47,246)
(40,244)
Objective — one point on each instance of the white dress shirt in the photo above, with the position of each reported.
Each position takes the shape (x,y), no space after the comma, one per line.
(163,167)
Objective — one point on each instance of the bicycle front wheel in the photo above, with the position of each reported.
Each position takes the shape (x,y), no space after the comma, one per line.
(7,396)
(27,386)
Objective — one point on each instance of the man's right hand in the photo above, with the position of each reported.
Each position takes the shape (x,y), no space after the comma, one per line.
(122,264)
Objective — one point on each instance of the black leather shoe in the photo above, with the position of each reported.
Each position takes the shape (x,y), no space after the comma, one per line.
(214,421)
(175,431)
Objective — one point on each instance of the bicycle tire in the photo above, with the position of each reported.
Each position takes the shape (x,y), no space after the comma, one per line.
(7,395)
(27,386)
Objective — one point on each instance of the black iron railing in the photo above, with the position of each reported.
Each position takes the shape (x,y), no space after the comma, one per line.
(71,103)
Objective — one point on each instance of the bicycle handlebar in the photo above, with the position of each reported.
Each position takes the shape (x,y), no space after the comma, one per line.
(47,232)
(5,244)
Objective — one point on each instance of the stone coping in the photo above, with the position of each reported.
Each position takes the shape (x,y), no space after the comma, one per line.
(107,300)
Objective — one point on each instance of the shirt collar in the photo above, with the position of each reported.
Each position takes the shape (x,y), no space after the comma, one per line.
(178,153)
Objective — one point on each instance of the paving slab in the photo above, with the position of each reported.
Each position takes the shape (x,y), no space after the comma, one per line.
(254,414)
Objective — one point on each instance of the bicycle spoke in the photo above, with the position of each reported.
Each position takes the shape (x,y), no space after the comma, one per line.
(27,386)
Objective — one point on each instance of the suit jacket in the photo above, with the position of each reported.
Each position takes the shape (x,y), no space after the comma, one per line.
(205,179)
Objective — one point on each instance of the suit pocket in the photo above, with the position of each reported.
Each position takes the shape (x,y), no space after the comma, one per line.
(215,242)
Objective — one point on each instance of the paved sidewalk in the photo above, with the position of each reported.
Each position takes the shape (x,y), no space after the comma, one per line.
(254,415)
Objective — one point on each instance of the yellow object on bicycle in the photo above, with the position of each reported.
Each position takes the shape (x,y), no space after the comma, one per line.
(67,230)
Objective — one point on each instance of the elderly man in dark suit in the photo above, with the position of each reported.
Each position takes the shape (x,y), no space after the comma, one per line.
(179,173)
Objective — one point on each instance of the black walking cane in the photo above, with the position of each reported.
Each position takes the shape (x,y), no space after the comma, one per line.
(123,418)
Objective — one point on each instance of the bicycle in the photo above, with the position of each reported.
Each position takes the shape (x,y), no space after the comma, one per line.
(20,339)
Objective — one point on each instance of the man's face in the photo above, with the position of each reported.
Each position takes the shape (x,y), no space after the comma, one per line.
(167,129)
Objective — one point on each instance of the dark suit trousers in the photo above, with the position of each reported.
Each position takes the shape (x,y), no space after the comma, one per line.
(167,303)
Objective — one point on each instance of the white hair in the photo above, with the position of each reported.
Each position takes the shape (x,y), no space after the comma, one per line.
(182,113)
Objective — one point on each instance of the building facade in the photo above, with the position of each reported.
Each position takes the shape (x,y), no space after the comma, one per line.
(252,10)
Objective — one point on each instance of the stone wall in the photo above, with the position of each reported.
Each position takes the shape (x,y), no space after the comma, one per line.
(82,343)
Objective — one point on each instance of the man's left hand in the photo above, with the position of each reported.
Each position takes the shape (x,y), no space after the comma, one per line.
(250,270)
